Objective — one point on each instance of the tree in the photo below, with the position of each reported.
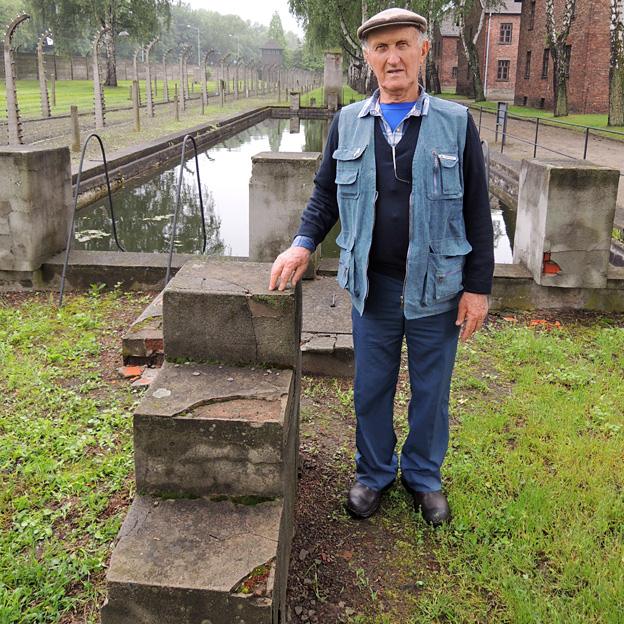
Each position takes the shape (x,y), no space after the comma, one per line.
(560,52)
(616,66)
(334,23)
(69,19)
(276,30)
(469,37)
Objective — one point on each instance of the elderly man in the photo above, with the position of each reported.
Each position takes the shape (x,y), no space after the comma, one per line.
(404,172)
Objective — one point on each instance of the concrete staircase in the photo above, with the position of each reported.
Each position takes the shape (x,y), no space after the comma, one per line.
(207,539)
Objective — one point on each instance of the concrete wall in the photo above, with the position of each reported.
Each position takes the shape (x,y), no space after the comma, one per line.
(280,186)
(35,203)
(564,222)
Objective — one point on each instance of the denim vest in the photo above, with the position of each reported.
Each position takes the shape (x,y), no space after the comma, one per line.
(437,242)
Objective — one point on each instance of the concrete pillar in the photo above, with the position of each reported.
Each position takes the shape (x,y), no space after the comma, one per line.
(35,203)
(332,78)
(295,100)
(280,186)
(564,222)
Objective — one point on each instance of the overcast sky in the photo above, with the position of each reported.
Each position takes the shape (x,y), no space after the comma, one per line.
(259,11)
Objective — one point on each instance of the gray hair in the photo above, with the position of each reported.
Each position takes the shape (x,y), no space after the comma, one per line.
(422,37)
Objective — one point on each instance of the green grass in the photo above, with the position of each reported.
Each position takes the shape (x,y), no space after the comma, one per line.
(534,474)
(535,483)
(348,94)
(80,93)
(65,456)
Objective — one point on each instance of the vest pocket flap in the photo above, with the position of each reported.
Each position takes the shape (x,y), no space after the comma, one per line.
(348,153)
(346,176)
(450,246)
(448,160)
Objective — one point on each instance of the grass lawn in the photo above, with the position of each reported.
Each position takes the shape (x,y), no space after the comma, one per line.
(591,120)
(534,477)
(348,94)
(80,93)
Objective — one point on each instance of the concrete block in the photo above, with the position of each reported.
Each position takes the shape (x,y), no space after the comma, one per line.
(280,186)
(198,561)
(564,222)
(332,79)
(216,310)
(205,430)
(35,205)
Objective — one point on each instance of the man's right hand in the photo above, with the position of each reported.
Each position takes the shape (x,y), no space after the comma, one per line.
(290,265)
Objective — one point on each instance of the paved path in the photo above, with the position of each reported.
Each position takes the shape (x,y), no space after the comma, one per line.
(521,136)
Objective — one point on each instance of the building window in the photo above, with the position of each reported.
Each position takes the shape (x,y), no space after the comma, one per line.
(502,71)
(505,33)
(531,23)
(454,72)
(527,65)
(545,63)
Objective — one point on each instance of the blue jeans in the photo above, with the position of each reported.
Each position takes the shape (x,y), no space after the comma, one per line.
(431,347)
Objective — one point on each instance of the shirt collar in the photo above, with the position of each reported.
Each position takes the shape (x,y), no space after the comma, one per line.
(373,106)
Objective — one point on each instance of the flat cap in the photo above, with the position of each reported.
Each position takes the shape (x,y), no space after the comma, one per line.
(392,17)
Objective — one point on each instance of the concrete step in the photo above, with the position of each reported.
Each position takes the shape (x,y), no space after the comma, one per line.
(326,321)
(199,561)
(204,430)
(220,310)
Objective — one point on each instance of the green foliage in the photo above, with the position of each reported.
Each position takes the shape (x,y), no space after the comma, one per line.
(65,456)
(276,30)
(75,22)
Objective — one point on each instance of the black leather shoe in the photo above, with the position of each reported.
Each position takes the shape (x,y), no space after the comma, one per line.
(362,502)
(433,506)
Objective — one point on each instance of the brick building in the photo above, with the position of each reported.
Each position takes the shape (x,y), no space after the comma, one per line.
(588,81)
(497,50)
(444,46)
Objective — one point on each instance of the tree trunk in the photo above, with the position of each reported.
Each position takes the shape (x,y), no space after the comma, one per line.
(616,96)
(111,61)
(473,63)
(560,82)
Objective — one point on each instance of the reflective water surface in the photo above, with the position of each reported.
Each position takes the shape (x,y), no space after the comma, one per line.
(144,210)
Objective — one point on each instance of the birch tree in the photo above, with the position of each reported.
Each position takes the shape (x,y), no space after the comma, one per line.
(557,40)
(616,65)
(463,9)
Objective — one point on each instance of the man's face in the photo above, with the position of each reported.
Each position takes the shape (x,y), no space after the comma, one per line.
(395,55)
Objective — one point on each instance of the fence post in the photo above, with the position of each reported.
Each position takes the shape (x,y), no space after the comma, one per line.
(135,105)
(537,120)
(586,142)
(75,128)
(480,117)
(176,101)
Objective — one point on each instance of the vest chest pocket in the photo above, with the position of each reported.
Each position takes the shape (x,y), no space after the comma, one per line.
(446,175)
(348,163)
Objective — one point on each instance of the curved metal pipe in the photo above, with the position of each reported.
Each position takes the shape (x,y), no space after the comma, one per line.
(70,234)
(177,208)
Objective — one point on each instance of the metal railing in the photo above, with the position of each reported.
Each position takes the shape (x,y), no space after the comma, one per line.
(70,234)
(501,126)
(174,226)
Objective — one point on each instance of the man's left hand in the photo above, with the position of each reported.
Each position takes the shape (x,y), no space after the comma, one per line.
(471,314)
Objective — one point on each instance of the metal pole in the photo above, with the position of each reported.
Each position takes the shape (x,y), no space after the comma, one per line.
(586,143)
(504,135)
(537,121)
(176,101)
(480,116)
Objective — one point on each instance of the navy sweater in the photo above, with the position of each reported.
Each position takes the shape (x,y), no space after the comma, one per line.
(390,235)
